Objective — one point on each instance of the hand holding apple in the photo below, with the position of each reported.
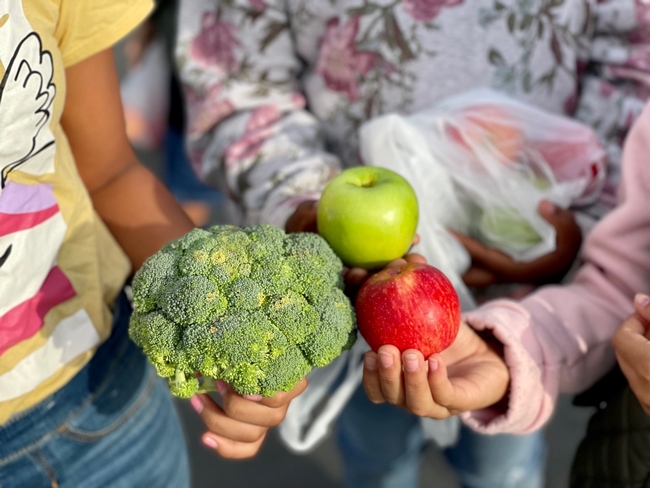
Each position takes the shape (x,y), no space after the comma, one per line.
(469,375)
(368,215)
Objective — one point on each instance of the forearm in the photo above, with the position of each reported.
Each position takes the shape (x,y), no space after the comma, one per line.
(140,212)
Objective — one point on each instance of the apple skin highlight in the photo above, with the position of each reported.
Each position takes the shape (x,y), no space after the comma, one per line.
(413,307)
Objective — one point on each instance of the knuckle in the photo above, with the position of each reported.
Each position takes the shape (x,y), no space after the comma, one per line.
(255,434)
(232,406)
(419,411)
(212,422)
(277,401)
(275,417)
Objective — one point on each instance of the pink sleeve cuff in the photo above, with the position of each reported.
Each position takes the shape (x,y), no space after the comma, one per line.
(529,404)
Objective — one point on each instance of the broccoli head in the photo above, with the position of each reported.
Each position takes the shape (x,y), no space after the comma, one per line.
(254,307)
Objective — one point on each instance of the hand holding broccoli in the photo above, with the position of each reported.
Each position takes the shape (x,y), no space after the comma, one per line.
(237,430)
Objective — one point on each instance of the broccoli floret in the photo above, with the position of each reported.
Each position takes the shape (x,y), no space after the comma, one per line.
(253,307)
(183,243)
(273,274)
(246,294)
(336,329)
(293,315)
(152,279)
(267,241)
(284,372)
(160,340)
(221,257)
(194,300)
(316,266)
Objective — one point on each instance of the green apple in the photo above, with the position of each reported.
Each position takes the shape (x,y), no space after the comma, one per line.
(368,215)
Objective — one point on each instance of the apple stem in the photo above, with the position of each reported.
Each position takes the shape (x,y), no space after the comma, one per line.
(368,182)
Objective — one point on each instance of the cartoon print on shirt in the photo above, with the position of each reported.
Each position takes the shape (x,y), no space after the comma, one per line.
(32,227)
(26,96)
(5,256)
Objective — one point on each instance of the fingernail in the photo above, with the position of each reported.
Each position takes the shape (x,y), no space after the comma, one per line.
(221,387)
(253,398)
(386,359)
(197,404)
(433,364)
(548,207)
(370,362)
(411,363)
(211,442)
(642,300)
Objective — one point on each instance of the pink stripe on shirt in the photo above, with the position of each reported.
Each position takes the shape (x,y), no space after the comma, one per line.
(26,319)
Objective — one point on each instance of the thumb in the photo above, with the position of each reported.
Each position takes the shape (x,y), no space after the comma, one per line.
(642,307)
(441,388)
(569,234)
(555,215)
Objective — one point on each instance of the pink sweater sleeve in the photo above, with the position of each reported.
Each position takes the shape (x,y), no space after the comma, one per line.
(558,339)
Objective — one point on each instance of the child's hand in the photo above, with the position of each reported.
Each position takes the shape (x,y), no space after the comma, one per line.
(469,375)
(633,350)
(237,430)
(490,266)
(304,218)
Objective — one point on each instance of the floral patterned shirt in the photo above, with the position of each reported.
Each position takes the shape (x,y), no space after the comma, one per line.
(276,89)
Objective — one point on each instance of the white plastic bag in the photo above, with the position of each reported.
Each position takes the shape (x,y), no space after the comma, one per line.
(503,158)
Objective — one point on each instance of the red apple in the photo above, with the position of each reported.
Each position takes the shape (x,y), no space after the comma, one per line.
(412,307)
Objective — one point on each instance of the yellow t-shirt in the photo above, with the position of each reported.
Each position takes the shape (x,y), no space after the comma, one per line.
(60,269)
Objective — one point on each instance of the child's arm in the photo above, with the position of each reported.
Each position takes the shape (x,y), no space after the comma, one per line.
(143,216)
(134,204)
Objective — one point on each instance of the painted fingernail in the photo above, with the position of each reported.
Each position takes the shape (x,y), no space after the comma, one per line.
(370,362)
(253,398)
(211,442)
(642,300)
(411,363)
(221,387)
(197,404)
(386,359)
(433,364)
